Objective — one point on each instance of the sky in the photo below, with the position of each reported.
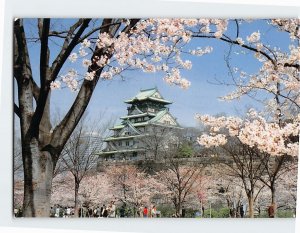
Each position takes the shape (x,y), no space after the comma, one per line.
(201,97)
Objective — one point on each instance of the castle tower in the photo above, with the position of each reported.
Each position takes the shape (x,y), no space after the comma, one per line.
(129,140)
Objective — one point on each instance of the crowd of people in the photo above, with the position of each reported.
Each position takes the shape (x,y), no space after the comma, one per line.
(104,211)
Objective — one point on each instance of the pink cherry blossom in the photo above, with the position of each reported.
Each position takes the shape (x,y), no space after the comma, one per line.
(254,37)
(73,57)
(55,85)
(89,75)
(253,131)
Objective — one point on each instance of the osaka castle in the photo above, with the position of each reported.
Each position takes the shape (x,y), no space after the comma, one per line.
(147,129)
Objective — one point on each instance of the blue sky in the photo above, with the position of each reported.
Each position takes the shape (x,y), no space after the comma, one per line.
(201,97)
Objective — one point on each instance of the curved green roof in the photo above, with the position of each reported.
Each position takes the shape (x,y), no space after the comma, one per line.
(148,94)
(138,115)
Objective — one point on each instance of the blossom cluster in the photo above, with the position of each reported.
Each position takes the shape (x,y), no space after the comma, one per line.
(254,37)
(288,25)
(253,131)
(282,78)
(152,45)
(70,79)
(209,141)
(174,78)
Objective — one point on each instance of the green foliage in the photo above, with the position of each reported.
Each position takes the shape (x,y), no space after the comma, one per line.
(279,214)
(219,213)
(285,214)
(185,150)
(166,210)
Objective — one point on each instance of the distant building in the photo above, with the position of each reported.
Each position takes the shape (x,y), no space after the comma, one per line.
(143,131)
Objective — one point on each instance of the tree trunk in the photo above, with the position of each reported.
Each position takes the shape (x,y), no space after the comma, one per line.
(38,174)
(76,214)
(273,201)
(273,198)
(251,206)
(178,208)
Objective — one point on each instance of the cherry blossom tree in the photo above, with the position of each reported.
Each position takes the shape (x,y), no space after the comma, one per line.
(271,143)
(286,189)
(279,72)
(242,161)
(278,77)
(96,189)
(181,183)
(132,186)
(227,188)
(275,167)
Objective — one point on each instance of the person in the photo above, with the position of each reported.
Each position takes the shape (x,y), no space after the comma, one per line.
(145,212)
(242,211)
(112,210)
(140,211)
(68,211)
(95,212)
(57,211)
(101,210)
(52,212)
(105,212)
(183,212)
(64,214)
(16,211)
(271,211)
(80,212)
(90,212)
(153,212)
(97,215)
(122,211)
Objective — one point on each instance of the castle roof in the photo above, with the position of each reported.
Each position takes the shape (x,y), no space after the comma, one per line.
(154,120)
(138,115)
(148,94)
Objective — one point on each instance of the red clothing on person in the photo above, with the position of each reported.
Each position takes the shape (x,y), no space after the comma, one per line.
(145,212)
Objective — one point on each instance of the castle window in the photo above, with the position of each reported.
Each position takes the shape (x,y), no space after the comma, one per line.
(120,143)
(127,143)
(167,122)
